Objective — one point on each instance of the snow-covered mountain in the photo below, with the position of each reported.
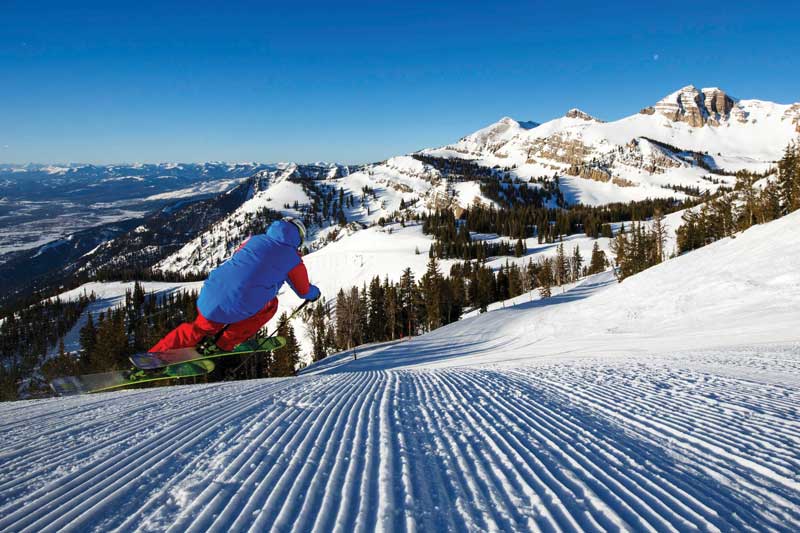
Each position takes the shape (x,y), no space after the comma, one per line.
(666,403)
(676,142)
(690,140)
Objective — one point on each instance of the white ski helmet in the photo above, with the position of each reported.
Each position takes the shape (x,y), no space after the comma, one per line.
(299,225)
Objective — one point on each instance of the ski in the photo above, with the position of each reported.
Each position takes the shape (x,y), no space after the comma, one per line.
(154,360)
(118,379)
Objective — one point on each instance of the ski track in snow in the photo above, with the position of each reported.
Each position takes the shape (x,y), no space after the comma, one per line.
(657,443)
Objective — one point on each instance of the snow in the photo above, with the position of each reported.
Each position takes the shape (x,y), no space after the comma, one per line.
(365,254)
(203,188)
(668,402)
(468,192)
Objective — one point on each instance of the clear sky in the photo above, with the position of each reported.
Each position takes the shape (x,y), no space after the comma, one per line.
(114,81)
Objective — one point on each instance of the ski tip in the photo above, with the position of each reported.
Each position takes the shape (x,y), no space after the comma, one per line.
(66,386)
(205,364)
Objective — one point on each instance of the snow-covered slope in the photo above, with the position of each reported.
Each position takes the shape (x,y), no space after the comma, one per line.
(736,291)
(540,417)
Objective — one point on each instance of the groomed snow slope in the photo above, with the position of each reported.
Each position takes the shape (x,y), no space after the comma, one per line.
(643,437)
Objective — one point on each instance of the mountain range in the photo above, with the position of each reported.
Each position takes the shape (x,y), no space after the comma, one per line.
(185,219)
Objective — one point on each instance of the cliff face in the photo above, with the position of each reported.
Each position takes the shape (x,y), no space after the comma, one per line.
(698,108)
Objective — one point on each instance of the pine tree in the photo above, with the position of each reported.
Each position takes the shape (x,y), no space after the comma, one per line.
(318,331)
(748,211)
(659,234)
(431,293)
(561,267)
(363,316)
(501,281)
(531,275)
(789,178)
(519,249)
(377,310)
(597,263)
(343,331)
(486,288)
(286,358)
(351,333)
(408,300)
(619,246)
(515,286)
(576,263)
(545,278)
(88,338)
(393,324)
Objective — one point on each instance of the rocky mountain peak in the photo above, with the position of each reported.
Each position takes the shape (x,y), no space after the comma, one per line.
(697,107)
(577,113)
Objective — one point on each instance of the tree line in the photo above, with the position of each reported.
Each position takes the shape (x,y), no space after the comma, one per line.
(452,232)
(384,310)
(26,337)
(640,247)
(754,200)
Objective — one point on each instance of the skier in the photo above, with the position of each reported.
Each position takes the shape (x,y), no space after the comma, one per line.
(240,295)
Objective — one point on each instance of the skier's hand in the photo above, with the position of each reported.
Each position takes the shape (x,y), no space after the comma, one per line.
(313,294)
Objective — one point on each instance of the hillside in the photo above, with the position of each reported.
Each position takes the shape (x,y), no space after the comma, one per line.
(353,260)
(651,405)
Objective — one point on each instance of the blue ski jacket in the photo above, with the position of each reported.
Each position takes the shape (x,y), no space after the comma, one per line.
(242,285)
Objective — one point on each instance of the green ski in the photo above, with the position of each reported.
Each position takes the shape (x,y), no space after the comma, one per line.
(154,360)
(119,379)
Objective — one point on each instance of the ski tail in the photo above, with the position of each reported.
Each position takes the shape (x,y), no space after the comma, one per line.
(120,379)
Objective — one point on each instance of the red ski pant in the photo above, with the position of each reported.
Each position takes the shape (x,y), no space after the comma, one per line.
(191,333)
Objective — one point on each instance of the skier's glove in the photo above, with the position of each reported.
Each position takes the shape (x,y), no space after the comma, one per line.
(313,294)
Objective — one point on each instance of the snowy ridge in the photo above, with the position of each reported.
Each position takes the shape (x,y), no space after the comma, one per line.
(269,189)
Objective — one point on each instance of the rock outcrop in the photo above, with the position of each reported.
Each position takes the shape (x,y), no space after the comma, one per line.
(698,108)
(577,113)
(793,114)
(558,148)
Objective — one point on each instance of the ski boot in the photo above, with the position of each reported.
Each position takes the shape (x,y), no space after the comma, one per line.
(207,347)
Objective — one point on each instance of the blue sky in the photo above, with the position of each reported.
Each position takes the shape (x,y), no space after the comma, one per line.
(356,81)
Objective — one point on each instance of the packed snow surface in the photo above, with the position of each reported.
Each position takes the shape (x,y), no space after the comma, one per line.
(681,442)
(670,402)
